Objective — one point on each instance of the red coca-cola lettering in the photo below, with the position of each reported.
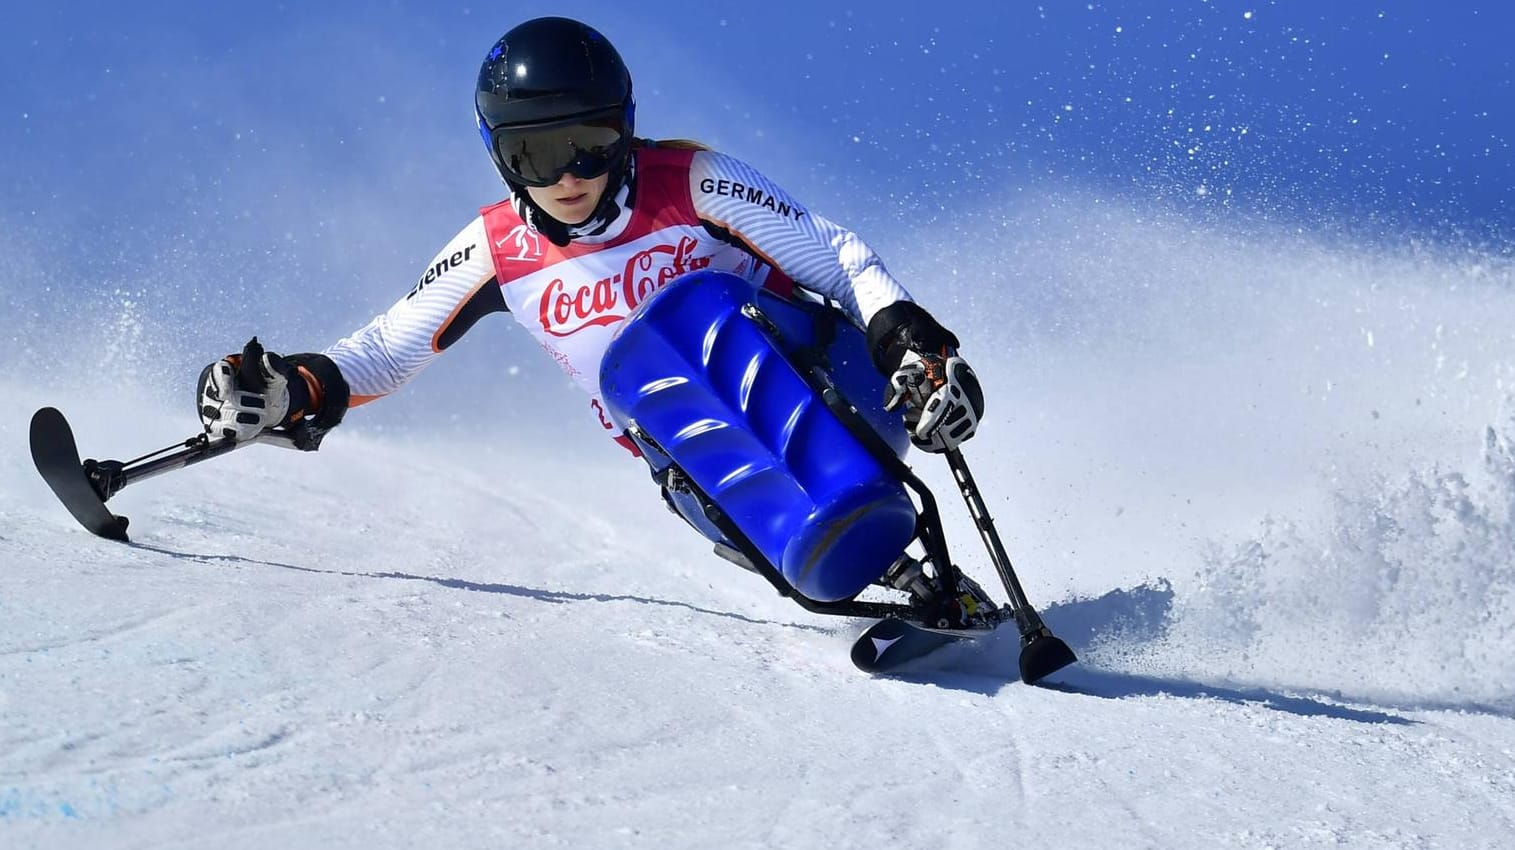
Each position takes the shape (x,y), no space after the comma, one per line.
(564,311)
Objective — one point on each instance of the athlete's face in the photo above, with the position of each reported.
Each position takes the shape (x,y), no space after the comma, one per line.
(571,199)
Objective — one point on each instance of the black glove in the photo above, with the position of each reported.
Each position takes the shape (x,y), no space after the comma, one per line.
(242,395)
(942,398)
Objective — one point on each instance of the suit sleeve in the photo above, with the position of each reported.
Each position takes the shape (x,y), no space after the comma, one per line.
(816,253)
(452,293)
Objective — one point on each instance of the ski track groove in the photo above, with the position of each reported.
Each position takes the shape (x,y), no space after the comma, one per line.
(266,742)
(1014,745)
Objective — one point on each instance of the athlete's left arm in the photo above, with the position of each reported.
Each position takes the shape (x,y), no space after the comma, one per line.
(940,395)
(816,253)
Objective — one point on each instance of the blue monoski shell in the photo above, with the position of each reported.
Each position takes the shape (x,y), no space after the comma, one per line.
(715,393)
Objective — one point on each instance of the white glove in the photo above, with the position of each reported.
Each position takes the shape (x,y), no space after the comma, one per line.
(942,398)
(231,403)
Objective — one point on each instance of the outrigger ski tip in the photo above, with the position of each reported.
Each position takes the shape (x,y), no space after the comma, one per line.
(1043,653)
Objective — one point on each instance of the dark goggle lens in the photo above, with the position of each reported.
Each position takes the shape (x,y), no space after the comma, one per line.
(541,156)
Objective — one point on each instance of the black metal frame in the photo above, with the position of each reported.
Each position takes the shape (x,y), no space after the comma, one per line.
(1041,651)
(110,476)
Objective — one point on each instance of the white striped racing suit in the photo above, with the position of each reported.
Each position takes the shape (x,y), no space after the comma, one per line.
(689,209)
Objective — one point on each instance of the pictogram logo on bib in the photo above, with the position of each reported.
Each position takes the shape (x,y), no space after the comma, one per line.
(526,244)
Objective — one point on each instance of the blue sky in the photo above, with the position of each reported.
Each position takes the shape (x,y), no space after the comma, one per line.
(130,107)
(295,164)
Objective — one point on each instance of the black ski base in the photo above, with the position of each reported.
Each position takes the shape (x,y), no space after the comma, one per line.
(891,643)
(57,459)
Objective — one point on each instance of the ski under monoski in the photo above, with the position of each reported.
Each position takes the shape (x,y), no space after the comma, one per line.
(892,643)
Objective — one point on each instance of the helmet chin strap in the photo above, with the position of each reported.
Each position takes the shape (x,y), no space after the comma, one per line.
(618,191)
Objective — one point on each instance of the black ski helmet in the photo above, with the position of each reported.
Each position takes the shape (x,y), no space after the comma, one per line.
(547,72)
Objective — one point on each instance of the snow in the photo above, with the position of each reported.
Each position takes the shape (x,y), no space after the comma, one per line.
(409,640)
(1241,296)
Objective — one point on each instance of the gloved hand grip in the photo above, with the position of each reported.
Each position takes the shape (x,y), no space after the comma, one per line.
(242,395)
(942,398)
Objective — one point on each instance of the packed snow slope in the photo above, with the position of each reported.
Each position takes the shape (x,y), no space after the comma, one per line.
(1264,486)
(1237,278)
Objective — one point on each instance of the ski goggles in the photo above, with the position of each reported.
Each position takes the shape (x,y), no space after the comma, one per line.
(541,155)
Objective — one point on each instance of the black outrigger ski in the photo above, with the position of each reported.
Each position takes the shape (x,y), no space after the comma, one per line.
(85,487)
(79,486)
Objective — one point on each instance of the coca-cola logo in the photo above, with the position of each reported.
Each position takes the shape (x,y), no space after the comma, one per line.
(565,309)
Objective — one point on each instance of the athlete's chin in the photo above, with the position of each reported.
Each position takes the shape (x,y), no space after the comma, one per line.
(573,216)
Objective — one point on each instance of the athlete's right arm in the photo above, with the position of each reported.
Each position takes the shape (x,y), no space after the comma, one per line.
(452,293)
(310,393)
